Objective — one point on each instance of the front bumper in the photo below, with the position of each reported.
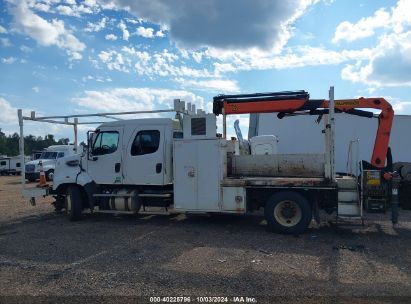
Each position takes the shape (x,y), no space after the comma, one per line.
(32,175)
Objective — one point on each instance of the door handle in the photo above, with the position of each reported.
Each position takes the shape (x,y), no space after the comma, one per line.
(159,166)
(191,173)
(117,167)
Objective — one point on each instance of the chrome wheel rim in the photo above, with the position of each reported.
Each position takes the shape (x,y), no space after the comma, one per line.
(287,213)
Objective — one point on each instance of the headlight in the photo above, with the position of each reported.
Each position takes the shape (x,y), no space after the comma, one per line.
(73,163)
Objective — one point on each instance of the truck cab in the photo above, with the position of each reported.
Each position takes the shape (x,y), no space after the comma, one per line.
(48,160)
(133,152)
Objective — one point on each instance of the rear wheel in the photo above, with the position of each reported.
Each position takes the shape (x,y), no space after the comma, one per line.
(74,203)
(288,212)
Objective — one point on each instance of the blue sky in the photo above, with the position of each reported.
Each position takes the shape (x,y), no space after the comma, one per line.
(69,56)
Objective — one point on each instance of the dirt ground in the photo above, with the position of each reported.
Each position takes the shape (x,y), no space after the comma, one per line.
(43,254)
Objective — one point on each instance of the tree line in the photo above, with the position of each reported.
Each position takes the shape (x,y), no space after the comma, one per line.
(9,145)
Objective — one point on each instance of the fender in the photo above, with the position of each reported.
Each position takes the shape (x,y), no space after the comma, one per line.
(68,171)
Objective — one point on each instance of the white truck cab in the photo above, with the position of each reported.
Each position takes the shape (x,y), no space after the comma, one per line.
(133,152)
(128,152)
(48,160)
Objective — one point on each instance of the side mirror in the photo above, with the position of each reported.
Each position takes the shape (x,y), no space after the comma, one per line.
(91,137)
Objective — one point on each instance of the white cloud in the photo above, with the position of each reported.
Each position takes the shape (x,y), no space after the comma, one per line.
(134,99)
(74,10)
(213,85)
(162,64)
(8,112)
(133,21)
(145,32)
(115,61)
(398,19)
(36,89)
(9,60)
(263,24)
(91,3)
(295,57)
(46,33)
(389,63)
(96,27)
(364,28)
(65,10)
(111,37)
(43,7)
(3,30)
(221,68)
(123,27)
(160,33)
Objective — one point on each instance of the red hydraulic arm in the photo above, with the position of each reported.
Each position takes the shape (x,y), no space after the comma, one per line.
(298,101)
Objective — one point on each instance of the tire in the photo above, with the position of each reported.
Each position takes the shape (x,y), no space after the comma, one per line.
(59,203)
(49,175)
(288,212)
(74,203)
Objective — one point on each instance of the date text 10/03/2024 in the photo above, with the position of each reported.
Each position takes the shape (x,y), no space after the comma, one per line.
(238,299)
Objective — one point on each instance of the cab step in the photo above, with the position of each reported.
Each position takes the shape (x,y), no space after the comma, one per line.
(349,209)
(154,210)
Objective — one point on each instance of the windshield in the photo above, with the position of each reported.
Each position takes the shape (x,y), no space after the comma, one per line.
(48,155)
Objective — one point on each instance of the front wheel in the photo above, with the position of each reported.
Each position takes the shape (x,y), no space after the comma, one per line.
(50,175)
(74,203)
(288,212)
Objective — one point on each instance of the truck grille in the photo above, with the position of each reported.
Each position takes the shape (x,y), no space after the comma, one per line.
(30,168)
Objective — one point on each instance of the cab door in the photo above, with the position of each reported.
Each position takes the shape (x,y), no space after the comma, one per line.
(105,158)
(144,160)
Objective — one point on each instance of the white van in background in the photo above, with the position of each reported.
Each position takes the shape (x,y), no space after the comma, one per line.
(11,165)
(48,159)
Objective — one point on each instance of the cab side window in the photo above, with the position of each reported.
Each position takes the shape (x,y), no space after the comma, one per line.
(105,143)
(145,142)
(60,155)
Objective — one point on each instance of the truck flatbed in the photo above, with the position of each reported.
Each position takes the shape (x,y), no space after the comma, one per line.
(293,182)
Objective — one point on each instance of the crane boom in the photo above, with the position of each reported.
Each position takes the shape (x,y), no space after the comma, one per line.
(290,102)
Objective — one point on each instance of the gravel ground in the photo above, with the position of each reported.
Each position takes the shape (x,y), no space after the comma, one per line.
(43,254)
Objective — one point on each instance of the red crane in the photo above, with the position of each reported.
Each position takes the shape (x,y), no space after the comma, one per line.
(292,102)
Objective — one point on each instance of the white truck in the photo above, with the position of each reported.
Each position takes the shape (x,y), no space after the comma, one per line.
(182,165)
(48,159)
(11,165)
